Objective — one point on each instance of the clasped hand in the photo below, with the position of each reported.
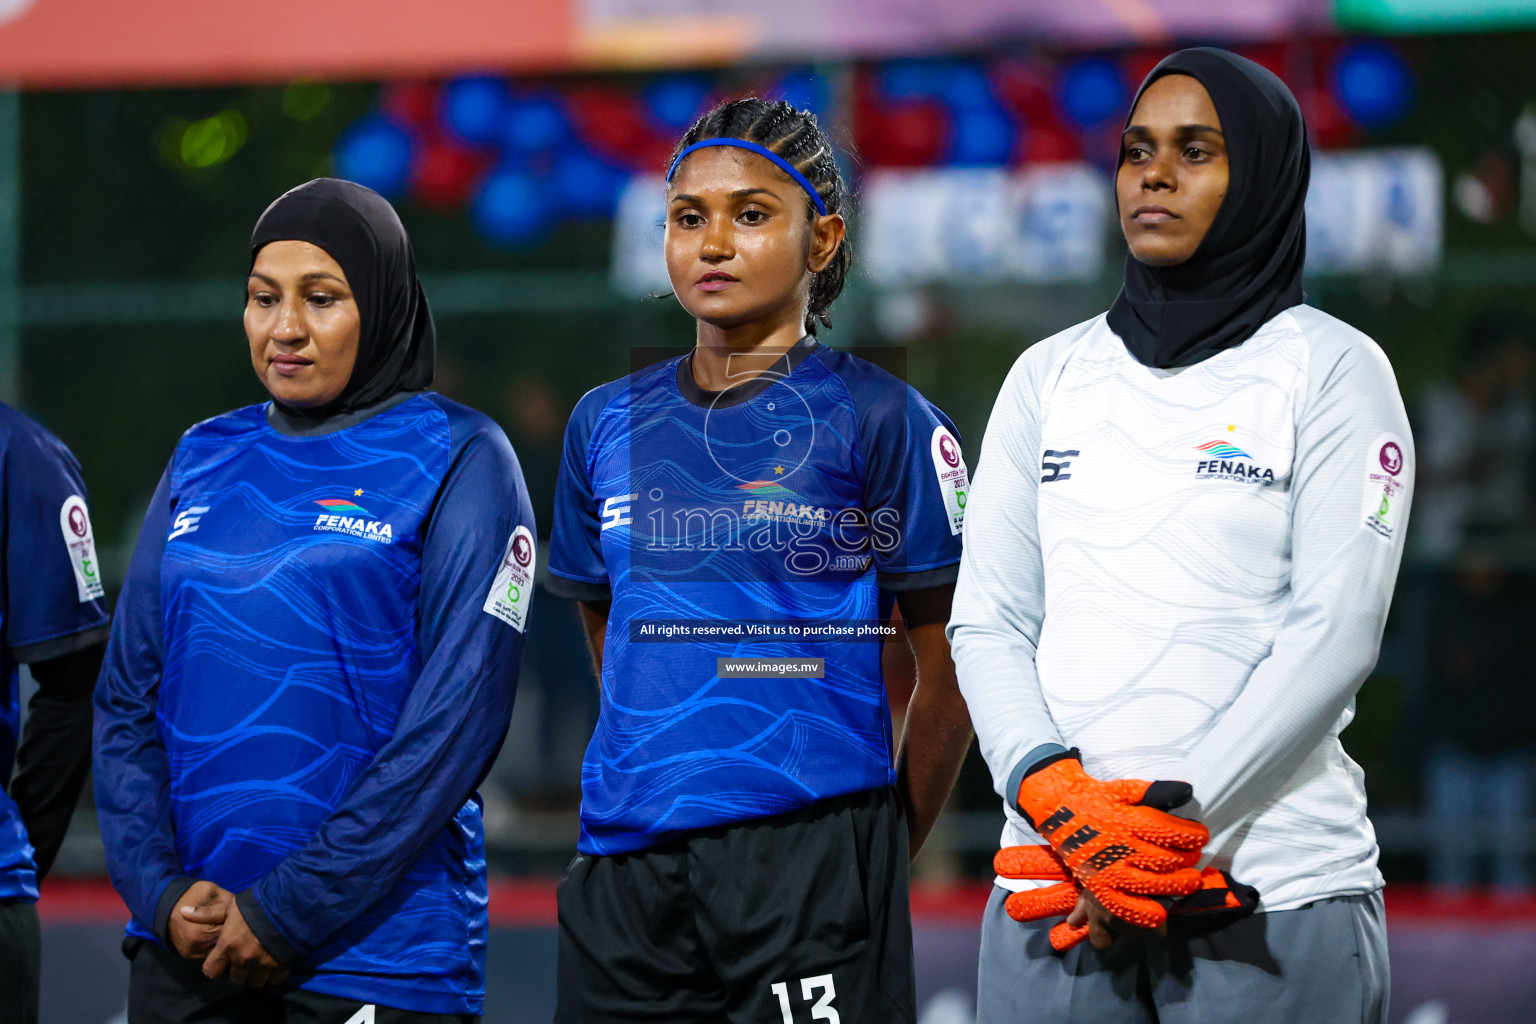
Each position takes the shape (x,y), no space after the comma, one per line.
(206,925)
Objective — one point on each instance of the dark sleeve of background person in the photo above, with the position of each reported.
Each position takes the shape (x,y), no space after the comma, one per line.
(55,754)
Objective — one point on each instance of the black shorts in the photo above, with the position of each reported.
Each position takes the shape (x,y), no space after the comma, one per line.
(795,919)
(21,946)
(165,988)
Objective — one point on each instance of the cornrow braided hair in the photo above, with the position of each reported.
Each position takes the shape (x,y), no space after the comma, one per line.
(796,136)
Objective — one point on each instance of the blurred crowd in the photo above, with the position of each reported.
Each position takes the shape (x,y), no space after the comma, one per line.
(1469,593)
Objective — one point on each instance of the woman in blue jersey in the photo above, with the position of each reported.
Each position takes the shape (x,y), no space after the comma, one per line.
(737,523)
(314,659)
(1191,513)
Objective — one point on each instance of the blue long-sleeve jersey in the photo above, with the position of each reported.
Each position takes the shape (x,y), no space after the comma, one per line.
(313,667)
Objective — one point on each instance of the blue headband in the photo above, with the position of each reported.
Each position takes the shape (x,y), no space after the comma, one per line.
(784,165)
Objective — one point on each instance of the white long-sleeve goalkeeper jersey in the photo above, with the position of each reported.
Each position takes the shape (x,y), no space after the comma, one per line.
(1185,574)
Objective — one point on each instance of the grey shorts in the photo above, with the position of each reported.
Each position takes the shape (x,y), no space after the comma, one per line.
(1324,963)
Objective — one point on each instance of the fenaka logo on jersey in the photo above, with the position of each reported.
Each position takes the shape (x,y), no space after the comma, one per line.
(75,524)
(769,518)
(773,502)
(1226,461)
(343,515)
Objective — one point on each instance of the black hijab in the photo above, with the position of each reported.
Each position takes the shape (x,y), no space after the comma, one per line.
(397,350)
(1248,266)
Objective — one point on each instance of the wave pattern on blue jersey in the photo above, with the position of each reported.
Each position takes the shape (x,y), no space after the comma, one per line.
(748,511)
(312,663)
(292,651)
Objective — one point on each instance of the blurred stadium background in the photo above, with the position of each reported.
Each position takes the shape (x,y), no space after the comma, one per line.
(523,144)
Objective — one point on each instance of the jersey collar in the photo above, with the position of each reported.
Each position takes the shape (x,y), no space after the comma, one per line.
(291,426)
(748,390)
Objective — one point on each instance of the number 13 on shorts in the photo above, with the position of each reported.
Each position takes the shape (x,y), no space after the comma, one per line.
(821,1009)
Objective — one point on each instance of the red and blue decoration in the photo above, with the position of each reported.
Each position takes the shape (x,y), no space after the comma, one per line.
(522,157)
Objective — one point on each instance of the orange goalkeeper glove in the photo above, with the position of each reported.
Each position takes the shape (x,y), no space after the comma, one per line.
(1220,896)
(1040,863)
(1116,838)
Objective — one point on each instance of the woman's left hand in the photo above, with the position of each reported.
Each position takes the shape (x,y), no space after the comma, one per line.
(241,955)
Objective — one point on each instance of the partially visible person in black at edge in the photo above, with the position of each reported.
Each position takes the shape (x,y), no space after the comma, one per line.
(54,620)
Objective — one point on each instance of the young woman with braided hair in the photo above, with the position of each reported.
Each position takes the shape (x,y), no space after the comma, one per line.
(757,506)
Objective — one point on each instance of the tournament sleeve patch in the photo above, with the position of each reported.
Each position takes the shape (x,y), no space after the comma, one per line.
(512,589)
(75,523)
(954,482)
(1386,487)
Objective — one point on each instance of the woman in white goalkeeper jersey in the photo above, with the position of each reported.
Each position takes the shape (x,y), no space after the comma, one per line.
(1180,548)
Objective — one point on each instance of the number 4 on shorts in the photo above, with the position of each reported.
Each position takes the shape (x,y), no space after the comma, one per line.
(364,1015)
(822,1010)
